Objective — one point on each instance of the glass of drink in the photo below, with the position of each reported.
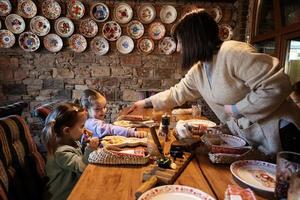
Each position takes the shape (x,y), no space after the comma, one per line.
(196,110)
(294,189)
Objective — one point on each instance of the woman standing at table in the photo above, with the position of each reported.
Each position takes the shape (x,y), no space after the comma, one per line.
(245,89)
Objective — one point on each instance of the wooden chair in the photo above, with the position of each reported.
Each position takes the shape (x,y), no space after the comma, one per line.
(13,109)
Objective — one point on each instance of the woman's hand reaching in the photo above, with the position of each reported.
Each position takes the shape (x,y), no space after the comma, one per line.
(137,104)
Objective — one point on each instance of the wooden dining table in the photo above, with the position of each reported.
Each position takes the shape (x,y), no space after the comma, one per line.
(120,182)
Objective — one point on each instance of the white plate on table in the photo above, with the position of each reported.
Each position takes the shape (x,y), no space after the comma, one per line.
(197,122)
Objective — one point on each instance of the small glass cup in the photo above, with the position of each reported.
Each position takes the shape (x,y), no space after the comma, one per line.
(294,189)
(196,110)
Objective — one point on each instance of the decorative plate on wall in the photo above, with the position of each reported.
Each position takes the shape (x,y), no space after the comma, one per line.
(146,13)
(216,13)
(15,23)
(225,32)
(125,44)
(53,42)
(123,13)
(146,45)
(51,9)
(29,41)
(168,14)
(77,43)
(27,8)
(157,31)
(5,7)
(88,28)
(135,29)
(99,12)
(99,45)
(167,45)
(111,30)
(40,25)
(75,9)
(7,39)
(64,27)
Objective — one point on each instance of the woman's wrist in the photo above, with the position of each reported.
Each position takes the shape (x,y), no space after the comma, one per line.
(148,103)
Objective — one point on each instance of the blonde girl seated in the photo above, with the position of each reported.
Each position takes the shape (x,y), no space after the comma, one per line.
(95,103)
(64,127)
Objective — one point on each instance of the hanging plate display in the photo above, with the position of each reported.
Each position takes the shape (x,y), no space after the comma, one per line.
(111,30)
(123,13)
(53,42)
(168,14)
(167,45)
(225,32)
(51,9)
(146,45)
(15,23)
(77,43)
(88,28)
(64,27)
(125,44)
(216,13)
(146,13)
(5,7)
(29,41)
(135,29)
(40,25)
(99,45)
(99,12)
(157,30)
(7,39)
(27,8)
(75,10)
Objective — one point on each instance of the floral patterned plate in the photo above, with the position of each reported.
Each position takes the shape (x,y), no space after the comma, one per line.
(225,32)
(146,13)
(167,45)
(53,43)
(178,192)
(99,45)
(75,9)
(168,14)
(145,45)
(5,7)
(29,41)
(135,29)
(64,27)
(88,28)
(123,13)
(40,25)
(51,9)
(125,44)
(157,31)
(99,12)
(111,30)
(15,23)
(77,43)
(7,39)
(216,13)
(27,8)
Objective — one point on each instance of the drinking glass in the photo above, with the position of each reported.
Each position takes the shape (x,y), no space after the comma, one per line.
(196,110)
(294,189)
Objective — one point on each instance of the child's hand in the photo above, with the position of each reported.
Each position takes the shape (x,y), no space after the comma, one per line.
(140,134)
(94,143)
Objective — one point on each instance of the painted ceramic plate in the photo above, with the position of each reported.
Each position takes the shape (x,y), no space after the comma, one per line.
(111,30)
(0,24)
(221,140)
(75,9)
(121,141)
(88,28)
(216,13)
(197,122)
(40,25)
(29,41)
(135,29)
(225,32)
(51,9)
(7,39)
(77,43)
(146,13)
(125,44)
(64,27)
(167,45)
(99,45)
(99,12)
(256,174)
(146,45)
(53,43)
(168,14)
(157,31)
(5,7)
(27,8)
(178,192)
(123,13)
(15,23)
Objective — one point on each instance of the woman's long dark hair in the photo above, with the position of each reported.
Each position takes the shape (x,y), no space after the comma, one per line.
(199,36)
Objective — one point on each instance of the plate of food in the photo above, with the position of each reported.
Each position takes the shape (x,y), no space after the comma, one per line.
(121,141)
(256,174)
(198,122)
(223,140)
(134,117)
